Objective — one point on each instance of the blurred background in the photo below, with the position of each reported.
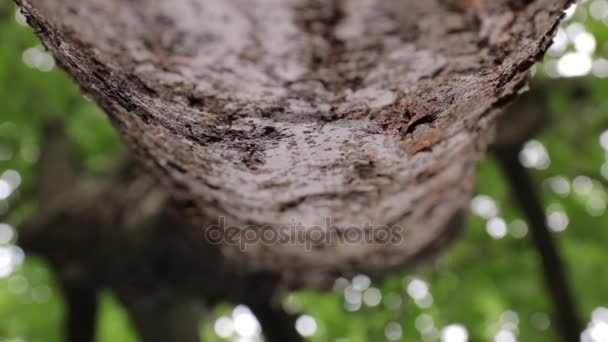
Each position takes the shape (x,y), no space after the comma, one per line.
(487,287)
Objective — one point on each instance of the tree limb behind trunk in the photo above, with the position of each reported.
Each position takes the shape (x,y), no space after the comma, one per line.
(81,313)
(165,319)
(277,324)
(568,320)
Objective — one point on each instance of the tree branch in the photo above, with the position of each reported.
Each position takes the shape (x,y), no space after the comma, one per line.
(81,313)
(304,119)
(159,318)
(277,324)
(568,321)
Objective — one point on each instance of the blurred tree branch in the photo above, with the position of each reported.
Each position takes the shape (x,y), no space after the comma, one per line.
(524,120)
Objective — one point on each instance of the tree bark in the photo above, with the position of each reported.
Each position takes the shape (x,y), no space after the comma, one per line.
(371,113)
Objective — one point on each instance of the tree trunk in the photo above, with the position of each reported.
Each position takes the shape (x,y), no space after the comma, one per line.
(136,245)
(364,113)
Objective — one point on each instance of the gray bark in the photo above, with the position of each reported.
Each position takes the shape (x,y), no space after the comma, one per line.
(265,112)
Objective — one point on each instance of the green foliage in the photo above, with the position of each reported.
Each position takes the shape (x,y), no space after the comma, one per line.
(482,283)
(29,304)
(114,323)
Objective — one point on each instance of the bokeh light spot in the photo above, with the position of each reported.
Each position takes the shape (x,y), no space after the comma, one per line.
(306,325)
(454,333)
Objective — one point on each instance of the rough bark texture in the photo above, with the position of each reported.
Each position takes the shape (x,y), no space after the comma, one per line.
(264,112)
